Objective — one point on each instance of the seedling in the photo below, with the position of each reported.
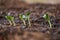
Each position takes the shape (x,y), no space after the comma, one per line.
(46,17)
(10,19)
(24,18)
(28,18)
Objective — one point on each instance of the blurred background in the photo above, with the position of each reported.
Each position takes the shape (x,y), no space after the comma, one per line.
(39,25)
(43,1)
(17,3)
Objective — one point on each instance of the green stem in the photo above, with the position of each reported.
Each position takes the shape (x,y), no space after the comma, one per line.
(50,24)
(24,22)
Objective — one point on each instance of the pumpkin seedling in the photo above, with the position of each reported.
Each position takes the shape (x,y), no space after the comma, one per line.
(46,17)
(10,19)
(24,18)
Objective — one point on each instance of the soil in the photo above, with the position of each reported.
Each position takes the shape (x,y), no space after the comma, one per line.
(39,29)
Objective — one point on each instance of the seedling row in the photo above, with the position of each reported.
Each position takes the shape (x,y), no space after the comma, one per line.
(25,18)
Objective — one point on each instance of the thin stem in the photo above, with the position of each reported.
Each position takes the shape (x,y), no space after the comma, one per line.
(50,24)
(29,22)
(10,22)
(24,22)
(13,23)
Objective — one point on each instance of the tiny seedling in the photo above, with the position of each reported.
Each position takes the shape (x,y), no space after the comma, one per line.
(10,19)
(24,18)
(28,18)
(46,17)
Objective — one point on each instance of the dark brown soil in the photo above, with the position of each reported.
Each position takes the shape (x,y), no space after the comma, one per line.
(40,27)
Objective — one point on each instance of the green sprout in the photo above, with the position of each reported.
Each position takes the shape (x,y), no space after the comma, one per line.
(24,18)
(46,17)
(28,18)
(11,20)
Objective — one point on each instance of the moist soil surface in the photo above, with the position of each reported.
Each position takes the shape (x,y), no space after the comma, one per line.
(39,29)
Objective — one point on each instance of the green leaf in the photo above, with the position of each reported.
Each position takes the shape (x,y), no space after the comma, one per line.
(24,17)
(11,18)
(8,17)
(21,16)
(46,16)
(28,14)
